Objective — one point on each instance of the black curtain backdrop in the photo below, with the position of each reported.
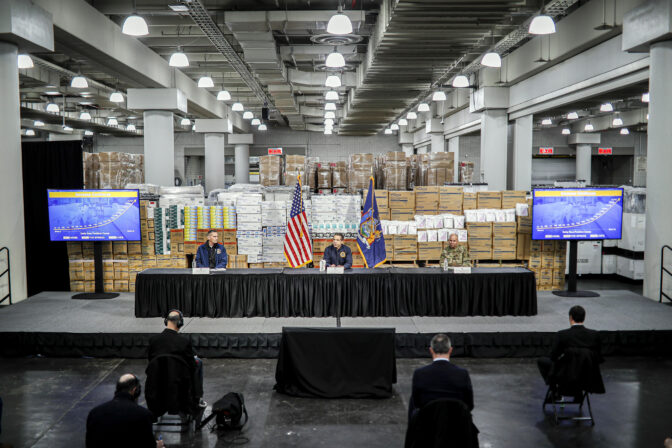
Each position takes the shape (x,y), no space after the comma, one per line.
(47,165)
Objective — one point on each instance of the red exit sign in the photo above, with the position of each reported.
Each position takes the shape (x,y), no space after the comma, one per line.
(275,151)
(604,151)
(545,150)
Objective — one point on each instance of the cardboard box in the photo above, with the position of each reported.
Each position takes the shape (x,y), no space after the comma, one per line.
(108,286)
(120,250)
(76,270)
(546,276)
(476,242)
(524,224)
(134,248)
(430,251)
(89,286)
(87,250)
(547,260)
(320,244)
(512,197)
(534,264)
(77,286)
(504,229)
(523,246)
(191,247)
(503,254)
(402,200)
(384,213)
(148,250)
(489,199)
(469,201)
(74,251)
(121,285)
(226,235)
(256,265)
(479,229)
(404,241)
(451,198)
(397,214)
(405,254)
(480,254)
(548,247)
(149,262)
(427,197)
(107,250)
(382,198)
(231,248)
(504,243)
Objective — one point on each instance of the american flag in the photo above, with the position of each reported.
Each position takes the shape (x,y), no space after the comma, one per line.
(298,248)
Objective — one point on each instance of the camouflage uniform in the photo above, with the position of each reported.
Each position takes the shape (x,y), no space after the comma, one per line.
(456,257)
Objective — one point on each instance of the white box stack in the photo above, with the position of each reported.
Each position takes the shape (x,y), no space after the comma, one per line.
(634,232)
(249,230)
(630,268)
(336,213)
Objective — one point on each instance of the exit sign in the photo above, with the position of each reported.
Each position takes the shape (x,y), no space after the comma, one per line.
(545,150)
(604,151)
(275,151)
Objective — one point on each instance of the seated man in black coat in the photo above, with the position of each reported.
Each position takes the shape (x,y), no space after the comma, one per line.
(121,421)
(440,379)
(576,336)
(169,342)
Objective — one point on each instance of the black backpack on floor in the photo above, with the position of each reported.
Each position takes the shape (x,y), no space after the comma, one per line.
(228,412)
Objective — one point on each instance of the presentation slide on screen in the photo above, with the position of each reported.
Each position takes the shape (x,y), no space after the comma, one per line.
(94,215)
(577,214)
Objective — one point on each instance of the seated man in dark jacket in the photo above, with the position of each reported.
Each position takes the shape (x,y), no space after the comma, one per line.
(169,342)
(440,379)
(211,254)
(121,421)
(576,336)
(338,254)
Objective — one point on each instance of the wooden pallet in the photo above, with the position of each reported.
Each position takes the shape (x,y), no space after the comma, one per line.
(402,264)
(499,263)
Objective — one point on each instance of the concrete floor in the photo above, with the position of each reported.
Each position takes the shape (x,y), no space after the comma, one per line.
(47,401)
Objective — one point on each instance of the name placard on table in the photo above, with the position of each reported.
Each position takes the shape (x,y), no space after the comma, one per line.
(460,270)
(335,269)
(200,271)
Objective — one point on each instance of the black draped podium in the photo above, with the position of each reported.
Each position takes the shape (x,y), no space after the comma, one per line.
(359,292)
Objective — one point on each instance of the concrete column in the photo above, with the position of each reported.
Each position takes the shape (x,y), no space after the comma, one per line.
(454,147)
(438,143)
(214,161)
(407,148)
(159,142)
(583,162)
(242,154)
(493,148)
(522,153)
(659,162)
(12,232)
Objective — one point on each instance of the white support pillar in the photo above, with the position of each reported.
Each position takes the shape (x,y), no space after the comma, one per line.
(214,161)
(407,148)
(12,233)
(522,153)
(159,142)
(242,154)
(583,162)
(493,148)
(438,143)
(454,147)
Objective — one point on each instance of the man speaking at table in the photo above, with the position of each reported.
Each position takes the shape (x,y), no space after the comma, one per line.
(455,255)
(338,254)
(211,254)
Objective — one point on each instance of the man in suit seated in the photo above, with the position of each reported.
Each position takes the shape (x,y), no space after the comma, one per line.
(440,379)
(121,421)
(576,336)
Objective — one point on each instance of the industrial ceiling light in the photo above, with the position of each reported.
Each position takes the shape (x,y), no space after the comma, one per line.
(461,81)
(53,108)
(262,127)
(30,133)
(411,116)
(491,59)
(617,121)
(237,107)
(25,61)
(439,95)
(67,128)
(38,123)
(88,133)
(329,114)
(85,116)
(193,127)
(588,127)
(135,26)
(224,95)
(572,116)
(112,122)
(329,122)
(116,97)
(185,122)
(423,107)
(606,107)
(333,81)
(130,127)
(328,132)
(205,82)
(542,24)
(394,126)
(178,59)
(339,23)
(403,122)
(247,115)
(179,7)
(255,122)
(330,106)
(566,131)
(546,122)
(645,97)
(625,131)
(331,95)
(335,60)
(388,131)
(79,82)
(328,126)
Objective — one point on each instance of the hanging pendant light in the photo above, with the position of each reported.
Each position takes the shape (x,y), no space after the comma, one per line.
(85,116)
(546,122)
(388,131)
(53,108)
(30,133)
(185,122)
(223,95)
(38,123)
(25,61)
(542,24)
(330,106)
(572,116)
(491,59)
(135,26)
(606,107)
(116,97)
(205,82)
(237,107)
(566,131)
(411,116)
(333,81)
(327,132)
(178,59)
(403,122)
(329,114)
(339,23)
(394,126)
(262,127)
(423,107)
(67,128)
(439,95)
(247,115)
(130,127)
(335,60)
(255,122)
(588,127)
(88,133)
(331,95)
(645,97)
(329,122)
(625,131)
(461,81)
(112,122)
(617,121)
(79,82)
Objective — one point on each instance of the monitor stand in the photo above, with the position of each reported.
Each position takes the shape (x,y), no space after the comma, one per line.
(571,281)
(98,265)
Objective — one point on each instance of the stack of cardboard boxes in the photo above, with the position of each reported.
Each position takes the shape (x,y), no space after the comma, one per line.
(361,168)
(270,170)
(112,169)
(480,240)
(294,166)
(395,170)
(548,262)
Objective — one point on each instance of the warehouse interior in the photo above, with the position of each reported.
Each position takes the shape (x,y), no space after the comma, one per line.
(456,110)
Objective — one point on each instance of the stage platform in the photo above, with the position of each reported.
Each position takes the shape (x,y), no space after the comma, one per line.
(52,324)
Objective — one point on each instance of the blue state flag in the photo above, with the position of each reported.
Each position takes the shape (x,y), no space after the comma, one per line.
(370,238)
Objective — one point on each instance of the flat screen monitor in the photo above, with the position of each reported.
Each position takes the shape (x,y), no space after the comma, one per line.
(577,214)
(94,215)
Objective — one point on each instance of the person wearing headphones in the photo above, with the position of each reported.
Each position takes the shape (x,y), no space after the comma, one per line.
(169,342)
(121,421)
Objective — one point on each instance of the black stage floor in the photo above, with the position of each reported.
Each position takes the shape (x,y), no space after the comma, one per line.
(53,324)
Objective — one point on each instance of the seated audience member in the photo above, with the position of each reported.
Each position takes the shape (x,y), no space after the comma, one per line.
(121,422)
(576,336)
(440,379)
(169,342)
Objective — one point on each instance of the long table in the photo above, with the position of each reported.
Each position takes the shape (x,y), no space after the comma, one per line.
(358,292)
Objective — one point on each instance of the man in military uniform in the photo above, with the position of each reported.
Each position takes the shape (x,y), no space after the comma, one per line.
(456,255)
(338,254)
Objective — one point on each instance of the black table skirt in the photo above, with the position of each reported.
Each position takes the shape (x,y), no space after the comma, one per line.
(359,292)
